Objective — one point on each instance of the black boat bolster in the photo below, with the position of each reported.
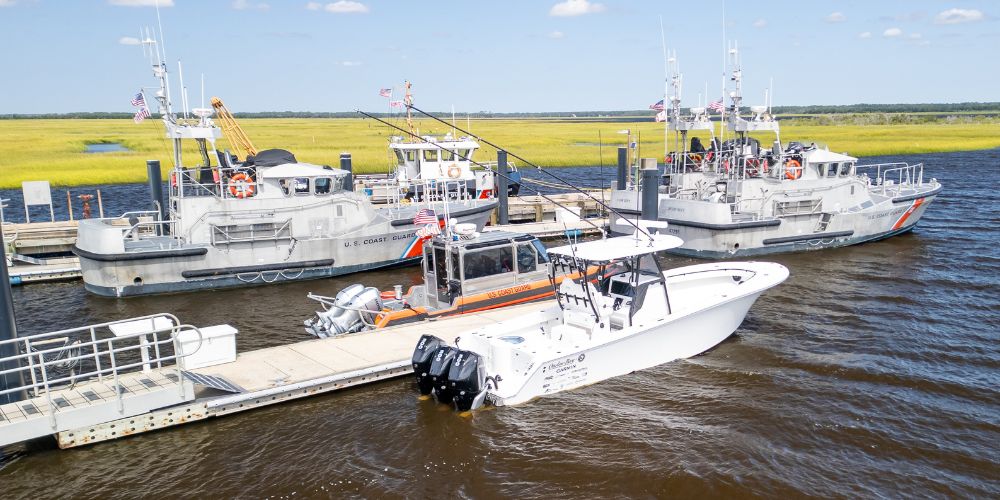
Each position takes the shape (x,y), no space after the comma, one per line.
(903,199)
(224,271)
(460,213)
(807,237)
(708,225)
(144,255)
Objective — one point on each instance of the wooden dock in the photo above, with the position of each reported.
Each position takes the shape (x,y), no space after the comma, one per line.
(538,209)
(278,374)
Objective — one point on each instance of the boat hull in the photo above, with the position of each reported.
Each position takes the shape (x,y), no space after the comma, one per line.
(723,238)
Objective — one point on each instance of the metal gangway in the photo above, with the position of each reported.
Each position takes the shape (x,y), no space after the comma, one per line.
(80,377)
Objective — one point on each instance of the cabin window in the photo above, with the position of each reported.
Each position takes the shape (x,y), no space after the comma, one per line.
(323,185)
(430,155)
(465,154)
(526,260)
(543,254)
(301,185)
(283,183)
(448,155)
(831,169)
(845,169)
(488,262)
(399,156)
(411,156)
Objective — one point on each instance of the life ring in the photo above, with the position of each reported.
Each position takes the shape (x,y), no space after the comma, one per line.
(696,158)
(454,171)
(668,159)
(241,186)
(752,166)
(793,169)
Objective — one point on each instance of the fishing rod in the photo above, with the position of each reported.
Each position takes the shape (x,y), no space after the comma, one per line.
(554,176)
(487,167)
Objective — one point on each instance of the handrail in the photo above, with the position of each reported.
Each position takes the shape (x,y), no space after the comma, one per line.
(82,344)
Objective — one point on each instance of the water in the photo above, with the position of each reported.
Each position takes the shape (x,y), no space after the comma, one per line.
(105,147)
(873,371)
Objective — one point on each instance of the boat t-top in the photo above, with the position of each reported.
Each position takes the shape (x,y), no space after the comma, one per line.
(739,197)
(269,218)
(636,317)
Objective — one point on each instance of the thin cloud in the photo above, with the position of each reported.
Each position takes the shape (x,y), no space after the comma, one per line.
(892,33)
(555,35)
(866,34)
(836,17)
(141,3)
(760,23)
(7,3)
(350,64)
(128,40)
(340,7)
(246,5)
(571,8)
(958,16)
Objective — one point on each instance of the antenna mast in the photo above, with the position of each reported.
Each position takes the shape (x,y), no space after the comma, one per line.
(408,101)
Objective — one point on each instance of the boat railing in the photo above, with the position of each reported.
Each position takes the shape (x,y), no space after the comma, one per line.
(189,182)
(45,362)
(891,177)
(492,166)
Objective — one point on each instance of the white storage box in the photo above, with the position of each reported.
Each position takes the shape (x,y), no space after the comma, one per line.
(218,345)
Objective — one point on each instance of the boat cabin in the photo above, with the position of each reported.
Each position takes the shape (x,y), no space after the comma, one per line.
(444,159)
(301,179)
(823,164)
(488,262)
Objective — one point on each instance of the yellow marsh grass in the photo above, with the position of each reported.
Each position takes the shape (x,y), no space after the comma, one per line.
(53,150)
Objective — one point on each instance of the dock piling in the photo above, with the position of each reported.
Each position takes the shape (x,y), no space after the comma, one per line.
(345,164)
(622,181)
(156,187)
(8,331)
(650,208)
(503,214)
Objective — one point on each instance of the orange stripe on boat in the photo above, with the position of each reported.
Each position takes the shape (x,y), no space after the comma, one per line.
(906,215)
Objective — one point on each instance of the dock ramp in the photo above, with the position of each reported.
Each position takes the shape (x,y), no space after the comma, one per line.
(75,378)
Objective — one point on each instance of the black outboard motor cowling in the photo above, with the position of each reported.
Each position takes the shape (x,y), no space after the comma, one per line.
(423,355)
(438,372)
(465,379)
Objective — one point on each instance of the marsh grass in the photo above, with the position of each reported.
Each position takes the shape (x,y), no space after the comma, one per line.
(53,150)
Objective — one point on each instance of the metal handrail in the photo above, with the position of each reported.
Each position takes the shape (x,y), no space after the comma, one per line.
(39,360)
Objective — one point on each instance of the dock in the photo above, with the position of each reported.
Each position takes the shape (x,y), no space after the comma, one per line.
(164,389)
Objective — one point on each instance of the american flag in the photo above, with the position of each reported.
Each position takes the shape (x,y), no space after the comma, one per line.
(396,104)
(385,92)
(658,106)
(139,100)
(425,216)
(141,115)
(661,116)
(428,230)
(716,106)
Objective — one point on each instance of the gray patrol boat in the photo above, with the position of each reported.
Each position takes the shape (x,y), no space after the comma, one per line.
(268,219)
(738,198)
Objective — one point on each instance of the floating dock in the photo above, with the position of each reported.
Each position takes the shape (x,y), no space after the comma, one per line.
(126,395)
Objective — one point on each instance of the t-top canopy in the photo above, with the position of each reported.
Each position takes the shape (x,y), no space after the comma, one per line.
(619,247)
(300,170)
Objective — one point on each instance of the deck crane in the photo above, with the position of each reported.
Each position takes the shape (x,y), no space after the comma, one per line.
(233,131)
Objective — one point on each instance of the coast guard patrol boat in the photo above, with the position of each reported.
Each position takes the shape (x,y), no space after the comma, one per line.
(741,198)
(268,219)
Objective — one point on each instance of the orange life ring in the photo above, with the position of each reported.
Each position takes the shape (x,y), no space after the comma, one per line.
(668,159)
(793,169)
(241,186)
(696,158)
(454,171)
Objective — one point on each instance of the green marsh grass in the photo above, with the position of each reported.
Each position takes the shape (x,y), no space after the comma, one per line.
(53,150)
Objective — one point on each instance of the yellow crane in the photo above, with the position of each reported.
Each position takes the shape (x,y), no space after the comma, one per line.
(237,137)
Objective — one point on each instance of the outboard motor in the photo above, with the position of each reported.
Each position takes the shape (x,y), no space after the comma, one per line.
(466,380)
(438,372)
(344,315)
(423,355)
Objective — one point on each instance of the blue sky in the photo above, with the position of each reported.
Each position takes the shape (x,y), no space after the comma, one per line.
(501,56)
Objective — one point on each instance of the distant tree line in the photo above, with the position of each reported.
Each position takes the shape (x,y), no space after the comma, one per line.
(962,107)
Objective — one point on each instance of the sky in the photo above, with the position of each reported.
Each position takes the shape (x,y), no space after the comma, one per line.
(502,56)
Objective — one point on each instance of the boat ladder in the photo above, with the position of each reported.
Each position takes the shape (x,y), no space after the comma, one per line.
(81,377)
(824,222)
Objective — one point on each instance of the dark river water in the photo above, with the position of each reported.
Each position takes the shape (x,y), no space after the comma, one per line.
(874,371)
